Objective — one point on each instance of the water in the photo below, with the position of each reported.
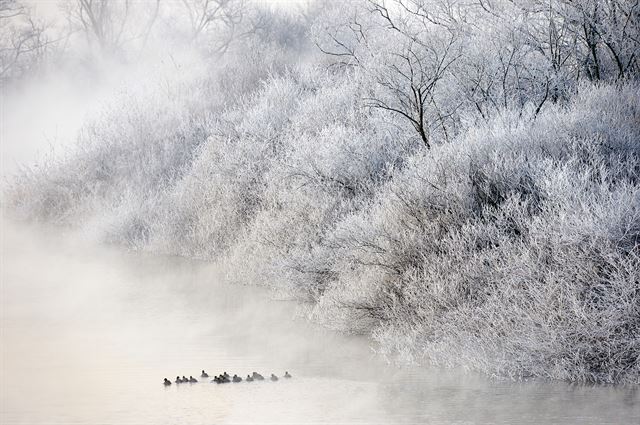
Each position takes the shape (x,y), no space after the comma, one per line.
(89,334)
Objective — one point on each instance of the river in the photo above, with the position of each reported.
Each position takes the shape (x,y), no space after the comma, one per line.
(89,333)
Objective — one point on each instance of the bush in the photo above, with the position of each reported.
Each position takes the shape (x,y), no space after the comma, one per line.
(513,251)
(511,246)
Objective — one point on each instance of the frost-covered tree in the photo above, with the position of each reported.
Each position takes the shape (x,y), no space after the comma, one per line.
(23,40)
(509,246)
(111,25)
(407,56)
(220,18)
(608,31)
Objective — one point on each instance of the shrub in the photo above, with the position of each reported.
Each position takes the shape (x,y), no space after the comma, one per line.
(513,251)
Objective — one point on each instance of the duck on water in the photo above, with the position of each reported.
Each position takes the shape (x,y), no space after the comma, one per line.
(225,378)
(221,380)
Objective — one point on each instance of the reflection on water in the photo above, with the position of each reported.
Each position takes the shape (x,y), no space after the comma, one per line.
(89,335)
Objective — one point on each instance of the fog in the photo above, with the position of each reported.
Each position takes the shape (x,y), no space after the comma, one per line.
(43,109)
(41,118)
(89,333)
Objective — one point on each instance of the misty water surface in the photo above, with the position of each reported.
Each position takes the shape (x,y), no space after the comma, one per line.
(88,334)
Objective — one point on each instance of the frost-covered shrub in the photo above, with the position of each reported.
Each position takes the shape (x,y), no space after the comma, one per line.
(212,204)
(335,156)
(513,251)
(133,151)
(452,196)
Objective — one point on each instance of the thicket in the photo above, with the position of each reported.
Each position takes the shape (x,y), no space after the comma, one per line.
(459,180)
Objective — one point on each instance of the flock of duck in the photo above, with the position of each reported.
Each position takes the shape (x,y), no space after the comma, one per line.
(224,378)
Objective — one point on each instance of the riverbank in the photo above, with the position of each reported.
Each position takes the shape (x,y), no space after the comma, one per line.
(512,251)
(459,184)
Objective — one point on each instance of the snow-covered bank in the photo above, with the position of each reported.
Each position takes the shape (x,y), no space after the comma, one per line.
(501,233)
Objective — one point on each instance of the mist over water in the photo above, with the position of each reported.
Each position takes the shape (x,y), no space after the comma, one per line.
(88,334)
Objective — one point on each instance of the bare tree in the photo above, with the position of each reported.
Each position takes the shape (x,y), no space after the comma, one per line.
(221,17)
(601,37)
(408,80)
(407,52)
(610,30)
(23,41)
(112,24)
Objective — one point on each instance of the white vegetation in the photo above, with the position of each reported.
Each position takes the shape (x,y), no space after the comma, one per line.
(23,42)
(459,180)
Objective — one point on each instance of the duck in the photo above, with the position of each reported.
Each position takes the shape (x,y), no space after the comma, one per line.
(215,379)
(236,378)
(286,375)
(184,379)
(204,374)
(178,380)
(223,379)
(249,378)
(192,379)
(274,377)
(257,376)
(226,375)
(166,382)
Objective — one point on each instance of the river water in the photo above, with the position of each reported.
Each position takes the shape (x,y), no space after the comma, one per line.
(88,334)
